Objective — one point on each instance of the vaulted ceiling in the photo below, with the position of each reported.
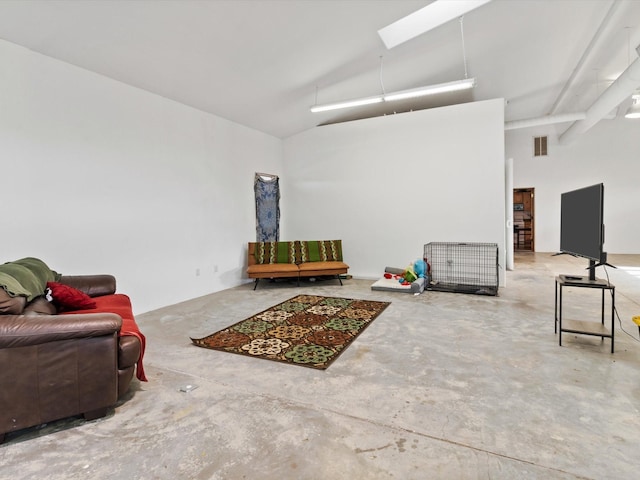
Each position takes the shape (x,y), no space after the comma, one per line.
(263,63)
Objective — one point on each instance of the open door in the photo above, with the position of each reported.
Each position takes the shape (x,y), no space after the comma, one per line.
(523,219)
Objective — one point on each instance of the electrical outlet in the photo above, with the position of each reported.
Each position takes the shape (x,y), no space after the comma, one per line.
(197,272)
(215,268)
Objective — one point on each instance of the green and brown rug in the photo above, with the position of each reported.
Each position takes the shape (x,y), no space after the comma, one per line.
(306,330)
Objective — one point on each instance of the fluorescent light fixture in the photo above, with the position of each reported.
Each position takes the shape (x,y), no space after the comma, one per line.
(427,18)
(431,90)
(401,95)
(347,104)
(634,110)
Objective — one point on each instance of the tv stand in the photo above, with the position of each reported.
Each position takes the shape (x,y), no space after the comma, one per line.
(593,265)
(580,326)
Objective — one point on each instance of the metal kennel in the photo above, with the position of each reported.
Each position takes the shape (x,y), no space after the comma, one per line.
(463,267)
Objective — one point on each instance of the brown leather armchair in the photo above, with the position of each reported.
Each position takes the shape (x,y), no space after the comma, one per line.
(57,366)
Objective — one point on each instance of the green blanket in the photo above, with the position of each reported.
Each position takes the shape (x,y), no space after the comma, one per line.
(26,277)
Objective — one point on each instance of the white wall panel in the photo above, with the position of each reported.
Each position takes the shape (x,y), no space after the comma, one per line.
(607,153)
(101,177)
(388,185)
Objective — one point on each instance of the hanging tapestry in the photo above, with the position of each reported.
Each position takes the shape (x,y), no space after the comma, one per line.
(267,192)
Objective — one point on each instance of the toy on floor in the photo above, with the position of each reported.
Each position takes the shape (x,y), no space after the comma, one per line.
(412,279)
(421,267)
(415,271)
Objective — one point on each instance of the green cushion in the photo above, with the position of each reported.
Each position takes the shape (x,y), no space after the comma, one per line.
(275,252)
(321,251)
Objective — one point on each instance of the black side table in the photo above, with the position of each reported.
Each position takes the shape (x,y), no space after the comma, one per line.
(580,326)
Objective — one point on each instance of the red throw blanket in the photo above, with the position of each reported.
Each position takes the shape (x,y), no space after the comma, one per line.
(121,305)
(129,327)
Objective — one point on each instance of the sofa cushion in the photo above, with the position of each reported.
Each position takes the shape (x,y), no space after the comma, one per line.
(40,306)
(273,270)
(308,269)
(128,352)
(65,297)
(275,252)
(321,251)
(11,305)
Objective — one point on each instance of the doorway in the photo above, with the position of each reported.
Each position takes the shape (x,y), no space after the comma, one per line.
(523,219)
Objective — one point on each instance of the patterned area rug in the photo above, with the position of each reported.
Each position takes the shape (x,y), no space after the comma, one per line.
(306,330)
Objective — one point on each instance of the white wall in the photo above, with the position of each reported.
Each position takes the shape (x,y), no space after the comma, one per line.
(388,185)
(607,153)
(101,177)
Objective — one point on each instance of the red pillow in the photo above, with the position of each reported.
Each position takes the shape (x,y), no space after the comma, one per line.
(69,298)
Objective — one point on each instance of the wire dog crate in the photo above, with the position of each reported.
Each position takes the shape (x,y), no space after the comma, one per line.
(463,267)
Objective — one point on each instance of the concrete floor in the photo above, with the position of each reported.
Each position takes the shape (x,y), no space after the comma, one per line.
(441,385)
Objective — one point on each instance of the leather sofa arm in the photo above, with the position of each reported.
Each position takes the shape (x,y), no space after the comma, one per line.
(92,285)
(24,330)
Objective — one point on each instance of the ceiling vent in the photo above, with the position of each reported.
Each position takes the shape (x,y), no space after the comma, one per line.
(540,146)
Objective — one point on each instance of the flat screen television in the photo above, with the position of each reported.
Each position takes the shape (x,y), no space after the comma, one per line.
(582,225)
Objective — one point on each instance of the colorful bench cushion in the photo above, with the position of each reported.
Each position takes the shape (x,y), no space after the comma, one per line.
(321,251)
(275,252)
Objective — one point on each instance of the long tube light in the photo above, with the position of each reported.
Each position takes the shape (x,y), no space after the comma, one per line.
(347,104)
(431,90)
(401,95)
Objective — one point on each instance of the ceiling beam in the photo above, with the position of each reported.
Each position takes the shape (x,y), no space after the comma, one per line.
(546,120)
(624,86)
(597,38)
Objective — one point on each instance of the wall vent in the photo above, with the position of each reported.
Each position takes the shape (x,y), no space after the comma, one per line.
(540,146)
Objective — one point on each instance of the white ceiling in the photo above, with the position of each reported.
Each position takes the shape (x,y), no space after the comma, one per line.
(263,63)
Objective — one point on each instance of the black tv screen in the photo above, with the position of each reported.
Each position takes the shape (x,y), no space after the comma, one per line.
(581,222)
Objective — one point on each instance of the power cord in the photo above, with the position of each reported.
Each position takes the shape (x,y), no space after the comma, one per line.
(615,309)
